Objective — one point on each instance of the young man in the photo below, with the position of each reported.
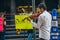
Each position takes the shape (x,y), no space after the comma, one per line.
(44,23)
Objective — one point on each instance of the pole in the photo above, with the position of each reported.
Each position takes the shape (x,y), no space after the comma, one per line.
(13,10)
(33,9)
(33,6)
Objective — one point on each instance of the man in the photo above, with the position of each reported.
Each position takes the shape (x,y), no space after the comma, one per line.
(44,23)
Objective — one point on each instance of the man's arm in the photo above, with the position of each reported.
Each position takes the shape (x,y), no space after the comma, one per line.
(37,25)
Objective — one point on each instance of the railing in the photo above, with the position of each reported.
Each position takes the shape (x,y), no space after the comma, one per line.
(11,31)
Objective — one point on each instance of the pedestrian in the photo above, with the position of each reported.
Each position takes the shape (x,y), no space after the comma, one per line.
(2,27)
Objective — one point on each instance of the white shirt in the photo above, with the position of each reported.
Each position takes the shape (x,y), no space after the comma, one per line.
(44,25)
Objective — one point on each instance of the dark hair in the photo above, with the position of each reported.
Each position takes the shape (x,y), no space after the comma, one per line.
(42,5)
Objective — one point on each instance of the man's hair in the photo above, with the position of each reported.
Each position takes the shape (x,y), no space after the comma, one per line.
(42,5)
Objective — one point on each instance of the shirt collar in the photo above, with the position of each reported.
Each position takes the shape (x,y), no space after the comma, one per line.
(44,12)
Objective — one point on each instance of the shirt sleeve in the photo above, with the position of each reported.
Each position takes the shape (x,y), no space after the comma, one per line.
(38,24)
